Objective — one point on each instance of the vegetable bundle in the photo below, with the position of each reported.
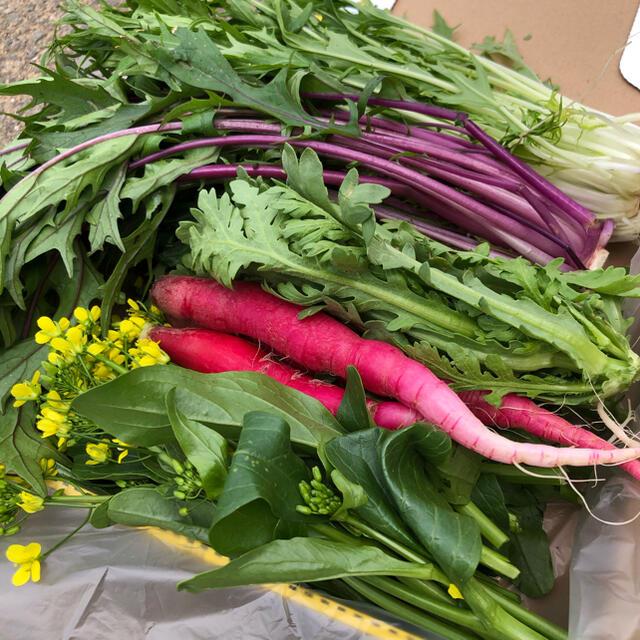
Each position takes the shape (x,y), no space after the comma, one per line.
(403,519)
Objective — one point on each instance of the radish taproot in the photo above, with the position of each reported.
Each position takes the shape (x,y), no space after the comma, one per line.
(210,351)
(321,343)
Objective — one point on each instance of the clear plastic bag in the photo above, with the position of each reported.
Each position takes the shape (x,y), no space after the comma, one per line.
(121,582)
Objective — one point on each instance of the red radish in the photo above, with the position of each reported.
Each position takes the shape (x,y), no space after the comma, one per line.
(516,412)
(213,352)
(321,343)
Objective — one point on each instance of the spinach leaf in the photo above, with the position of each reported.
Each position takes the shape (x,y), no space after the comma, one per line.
(204,448)
(147,507)
(356,456)
(305,560)
(452,539)
(353,413)
(258,503)
(132,407)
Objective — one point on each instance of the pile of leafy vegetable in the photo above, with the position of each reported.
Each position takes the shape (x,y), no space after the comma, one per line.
(266,475)
(148,102)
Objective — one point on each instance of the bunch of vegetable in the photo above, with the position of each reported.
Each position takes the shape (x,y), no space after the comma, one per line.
(105,191)
(403,519)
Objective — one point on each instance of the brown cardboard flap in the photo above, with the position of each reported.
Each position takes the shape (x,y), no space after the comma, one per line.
(575,43)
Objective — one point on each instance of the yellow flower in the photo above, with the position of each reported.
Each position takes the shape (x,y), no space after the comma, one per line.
(82,315)
(124,449)
(133,304)
(102,373)
(454,592)
(52,428)
(50,329)
(96,348)
(56,402)
(3,470)
(318,16)
(26,391)
(31,503)
(48,466)
(147,353)
(99,453)
(27,558)
(155,310)
(129,330)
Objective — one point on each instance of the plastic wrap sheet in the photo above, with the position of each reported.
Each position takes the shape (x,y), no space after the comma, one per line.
(605,567)
(121,583)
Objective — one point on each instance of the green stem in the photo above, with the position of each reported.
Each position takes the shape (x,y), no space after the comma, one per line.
(484,605)
(547,628)
(496,561)
(59,544)
(509,473)
(427,588)
(448,611)
(407,612)
(488,529)
(116,367)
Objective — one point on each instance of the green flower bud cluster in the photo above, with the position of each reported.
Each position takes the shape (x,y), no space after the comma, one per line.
(187,481)
(8,508)
(319,499)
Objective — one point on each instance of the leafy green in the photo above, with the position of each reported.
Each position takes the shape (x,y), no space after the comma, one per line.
(132,407)
(452,539)
(147,507)
(304,560)
(353,414)
(204,448)
(258,503)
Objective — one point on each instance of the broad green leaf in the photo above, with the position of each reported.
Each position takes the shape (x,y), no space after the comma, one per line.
(488,497)
(147,507)
(528,549)
(456,477)
(22,447)
(132,407)
(453,540)
(258,503)
(305,560)
(204,448)
(356,456)
(353,414)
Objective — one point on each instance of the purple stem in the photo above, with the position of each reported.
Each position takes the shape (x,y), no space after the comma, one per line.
(567,204)
(16,148)
(458,205)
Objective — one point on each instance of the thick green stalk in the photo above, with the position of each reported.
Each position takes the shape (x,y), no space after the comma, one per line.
(407,612)
(488,529)
(449,612)
(484,605)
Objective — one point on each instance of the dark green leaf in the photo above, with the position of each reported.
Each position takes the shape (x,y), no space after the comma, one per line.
(452,539)
(488,497)
(258,503)
(205,448)
(132,407)
(146,507)
(356,457)
(353,414)
(304,560)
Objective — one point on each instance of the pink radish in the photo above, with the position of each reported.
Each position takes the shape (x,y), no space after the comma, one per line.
(213,352)
(321,343)
(516,412)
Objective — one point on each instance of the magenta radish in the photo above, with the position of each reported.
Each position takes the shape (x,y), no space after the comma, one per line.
(321,343)
(516,412)
(214,352)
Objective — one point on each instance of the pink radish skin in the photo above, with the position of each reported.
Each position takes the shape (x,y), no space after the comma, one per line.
(214,352)
(321,343)
(516,412)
